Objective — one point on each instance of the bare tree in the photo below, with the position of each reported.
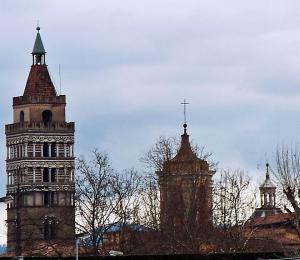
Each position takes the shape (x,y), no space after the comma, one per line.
(103,197)
(287,174)
(234,202)
(127,187)
(149,213)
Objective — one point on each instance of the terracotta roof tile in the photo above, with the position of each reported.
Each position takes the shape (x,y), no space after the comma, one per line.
(271,219)
(39,82)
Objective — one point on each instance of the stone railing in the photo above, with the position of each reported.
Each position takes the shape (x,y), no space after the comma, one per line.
(39,100)
(41,186)
(39,127)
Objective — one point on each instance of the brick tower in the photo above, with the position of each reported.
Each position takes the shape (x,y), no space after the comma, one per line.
(186,193)
(39,165)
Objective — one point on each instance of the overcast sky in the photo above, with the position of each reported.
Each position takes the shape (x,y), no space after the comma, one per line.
(127,65)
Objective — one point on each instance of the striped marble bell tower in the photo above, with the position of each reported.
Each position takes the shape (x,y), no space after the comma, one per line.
(39,165)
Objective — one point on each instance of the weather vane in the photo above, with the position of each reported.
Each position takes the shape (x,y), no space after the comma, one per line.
(184,103)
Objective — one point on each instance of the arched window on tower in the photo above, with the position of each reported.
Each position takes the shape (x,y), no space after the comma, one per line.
(53,175)
(47,116)
(22,117)
(46,175)
(39,59)
(46,149)
(53,149)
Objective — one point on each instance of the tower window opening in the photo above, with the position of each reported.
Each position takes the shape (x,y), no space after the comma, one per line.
(53,150)
(22,117)
(46,175)
(54,198)
(53,175)
(47,116)
(46,198)
(46,150)
(39,59)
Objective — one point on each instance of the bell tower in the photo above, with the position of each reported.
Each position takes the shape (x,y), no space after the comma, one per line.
(39,165)
(267,198)
(186,195)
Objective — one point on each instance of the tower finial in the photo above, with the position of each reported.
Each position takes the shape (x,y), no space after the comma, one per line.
(184,103)
(267,171)
(38,28)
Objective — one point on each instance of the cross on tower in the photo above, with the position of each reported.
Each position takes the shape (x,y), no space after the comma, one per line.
(184,103)
(267,172)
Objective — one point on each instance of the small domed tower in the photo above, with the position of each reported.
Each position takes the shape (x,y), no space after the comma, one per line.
(267,198)
(39,165)
(185,192)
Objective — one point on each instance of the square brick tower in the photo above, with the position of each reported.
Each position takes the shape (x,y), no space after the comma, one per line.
(186,195)
(39,165)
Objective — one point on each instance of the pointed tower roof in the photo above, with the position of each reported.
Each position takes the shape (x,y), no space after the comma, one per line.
(267,183)
(185,152)
(39,82)
(186,160)
(38,47)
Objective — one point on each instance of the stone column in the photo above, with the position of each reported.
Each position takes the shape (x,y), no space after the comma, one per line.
(49,149)
(33,175)
(26,175)
(42,150)
(65,149)
(65,173)
(57,149)
(26,150)
(33,149)
(71,175)
(72,150)
(57,174)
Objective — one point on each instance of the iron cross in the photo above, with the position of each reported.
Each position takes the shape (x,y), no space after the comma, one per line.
(184,109)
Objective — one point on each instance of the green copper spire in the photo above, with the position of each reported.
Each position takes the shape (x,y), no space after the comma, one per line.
(38,47)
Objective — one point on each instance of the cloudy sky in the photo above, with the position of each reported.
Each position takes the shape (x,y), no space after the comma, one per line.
(127,65)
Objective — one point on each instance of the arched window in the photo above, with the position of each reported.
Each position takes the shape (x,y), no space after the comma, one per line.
(46,149)
(53,175)
(53,150)
(22,117)
(46,175)
(47,116)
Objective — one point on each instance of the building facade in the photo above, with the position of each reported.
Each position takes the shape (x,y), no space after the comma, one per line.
(186,193)
(40,164)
